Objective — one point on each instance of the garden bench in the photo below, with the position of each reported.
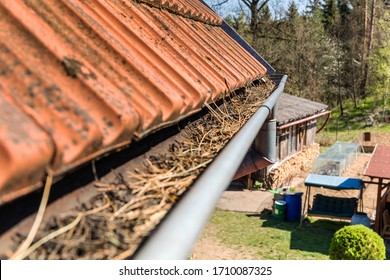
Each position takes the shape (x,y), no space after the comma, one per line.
(337,207)
(332,206)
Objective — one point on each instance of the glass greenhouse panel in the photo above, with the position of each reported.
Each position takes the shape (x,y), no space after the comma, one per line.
(336,159)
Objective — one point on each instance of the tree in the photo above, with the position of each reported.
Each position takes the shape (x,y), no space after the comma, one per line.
(255,7)
(265,35)
(344,7)
(380,61)
(350,35)
(240,24)
(330,16)
(321,56)
(293,58)
(324,50)
(313,7)
(265,15)
(292,14)
(369,47)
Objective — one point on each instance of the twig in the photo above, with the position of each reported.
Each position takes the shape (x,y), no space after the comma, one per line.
(125,254)
(60,231)
(128,204)
(20,252)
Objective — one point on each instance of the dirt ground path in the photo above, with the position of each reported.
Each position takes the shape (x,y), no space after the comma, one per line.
(210,248)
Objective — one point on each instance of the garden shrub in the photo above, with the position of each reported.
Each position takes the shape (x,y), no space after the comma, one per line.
(357,242)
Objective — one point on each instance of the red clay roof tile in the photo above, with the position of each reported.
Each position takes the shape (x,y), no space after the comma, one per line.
(24,148)
(85,77)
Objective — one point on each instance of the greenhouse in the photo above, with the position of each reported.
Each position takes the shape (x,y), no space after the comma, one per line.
(336,159)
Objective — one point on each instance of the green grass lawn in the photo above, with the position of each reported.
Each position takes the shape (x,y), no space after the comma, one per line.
(356,118)
(352,125)
(273,239)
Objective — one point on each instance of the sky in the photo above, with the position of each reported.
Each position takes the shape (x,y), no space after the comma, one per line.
(277,7)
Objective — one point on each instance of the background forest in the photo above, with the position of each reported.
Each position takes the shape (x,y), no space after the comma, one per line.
(333,51)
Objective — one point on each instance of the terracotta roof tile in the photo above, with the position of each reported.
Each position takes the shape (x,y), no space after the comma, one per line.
(34,150)
(83,77)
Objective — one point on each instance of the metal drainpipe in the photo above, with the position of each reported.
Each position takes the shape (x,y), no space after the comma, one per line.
(274,110)
(174,238)
(265,141)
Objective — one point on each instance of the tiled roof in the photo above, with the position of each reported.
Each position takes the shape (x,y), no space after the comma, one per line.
(81,78)
(292,108)
(378,167)
(187,8)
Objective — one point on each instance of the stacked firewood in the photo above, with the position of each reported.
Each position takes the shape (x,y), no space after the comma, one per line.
(282,174)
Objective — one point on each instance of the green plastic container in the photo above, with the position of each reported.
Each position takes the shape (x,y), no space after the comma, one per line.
(280,209)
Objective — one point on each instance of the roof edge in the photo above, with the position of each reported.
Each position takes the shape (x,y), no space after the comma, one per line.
(175,7)
(234,35)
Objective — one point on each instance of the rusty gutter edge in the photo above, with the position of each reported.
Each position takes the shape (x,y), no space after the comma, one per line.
(179,231)
(316,116)
(325,122)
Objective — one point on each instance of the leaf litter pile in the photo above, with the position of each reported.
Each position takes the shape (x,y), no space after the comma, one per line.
(113,223)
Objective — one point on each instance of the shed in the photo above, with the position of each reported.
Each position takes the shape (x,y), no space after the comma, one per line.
(378,170)
(296,120)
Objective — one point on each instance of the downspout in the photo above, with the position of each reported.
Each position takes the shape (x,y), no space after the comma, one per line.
(263,152)
(265,142)
(181,228)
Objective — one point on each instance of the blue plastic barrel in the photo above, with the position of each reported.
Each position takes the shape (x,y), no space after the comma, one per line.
(293,206)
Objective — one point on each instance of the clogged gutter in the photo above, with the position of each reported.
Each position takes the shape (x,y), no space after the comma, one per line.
(114,223)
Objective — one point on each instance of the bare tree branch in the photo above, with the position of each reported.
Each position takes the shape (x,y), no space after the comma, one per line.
(253,3)
(262,5)
(275,26)
(241,7)
(219,4)
(247,3)
(277,37)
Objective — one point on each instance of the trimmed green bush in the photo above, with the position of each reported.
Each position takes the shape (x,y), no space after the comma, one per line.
(357,242)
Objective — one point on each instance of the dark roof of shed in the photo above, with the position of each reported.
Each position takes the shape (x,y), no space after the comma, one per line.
(292,108)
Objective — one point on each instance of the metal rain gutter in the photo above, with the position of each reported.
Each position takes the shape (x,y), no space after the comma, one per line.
(176,235)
